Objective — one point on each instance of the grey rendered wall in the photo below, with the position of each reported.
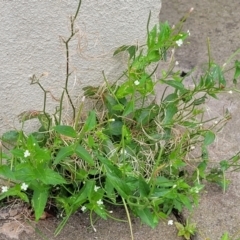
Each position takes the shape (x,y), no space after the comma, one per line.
(30,43)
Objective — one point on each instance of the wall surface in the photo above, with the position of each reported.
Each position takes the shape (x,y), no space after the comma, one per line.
(30,44)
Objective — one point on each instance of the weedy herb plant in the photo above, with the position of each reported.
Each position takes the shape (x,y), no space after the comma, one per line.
(130,150)
(187,230)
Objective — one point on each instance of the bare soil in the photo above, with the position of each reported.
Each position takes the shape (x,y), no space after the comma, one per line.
(219,21)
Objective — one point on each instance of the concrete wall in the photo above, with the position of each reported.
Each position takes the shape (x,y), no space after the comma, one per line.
(30,44)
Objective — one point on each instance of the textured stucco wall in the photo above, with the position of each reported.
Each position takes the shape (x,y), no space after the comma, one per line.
(30,44)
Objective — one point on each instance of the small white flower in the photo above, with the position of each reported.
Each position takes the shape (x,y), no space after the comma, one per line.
(230,92)
(176,63)
(191,9)
(111,120)
(192,147)
(179,42)
(83,98)
(196,191)
(96,188)
(99,202)
(4,189)
(224,65)
(83,208)
(170,222)
(174,186)
(24,186)
(215,122)
(26,153)
(136,82)
(110,211)
(188,32)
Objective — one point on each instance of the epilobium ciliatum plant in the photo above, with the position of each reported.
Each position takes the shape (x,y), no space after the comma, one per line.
(130,149)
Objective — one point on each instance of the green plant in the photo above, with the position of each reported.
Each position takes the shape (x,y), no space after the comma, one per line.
(129,150)
(187,230)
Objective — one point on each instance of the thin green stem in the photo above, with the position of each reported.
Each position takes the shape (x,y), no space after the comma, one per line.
(129,218)
(45,104)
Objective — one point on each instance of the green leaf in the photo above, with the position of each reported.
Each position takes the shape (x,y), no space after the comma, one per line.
(218,74)
(130,49)
(118,107)
(237,69)
(66,130)
(125,89)
(109,189)
(180,227)
(190,124)
(143,187)
(115,177)
(7,172)
(154,56)
(84,154)
(24,172)
(114,128)
(174,84)
(10,136)
(120,185)
(145,115)
(90,123)
(185,200)
(39,201)
(164,182)
(41,154)
(225,236)
(63,153)
(129,108)
(80,197)
(15,191)
(209,138)
(45,121)
(170,111)
(147,216)
(100,212)
(52,178)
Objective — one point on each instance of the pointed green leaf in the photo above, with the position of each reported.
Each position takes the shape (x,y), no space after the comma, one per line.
(174,84)
(10,136)
(147,217)
(52,178)
(119,184)
(209,138)
(84,154)
(237,69)
(225,236)
(130,49)
(66,130)
(129,108)
(39,201)
(143,187)
(170,111)
(91,122)
(6,172)
(15,191)
(63,153)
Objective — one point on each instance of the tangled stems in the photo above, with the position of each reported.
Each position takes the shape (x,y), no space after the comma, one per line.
(68,73)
